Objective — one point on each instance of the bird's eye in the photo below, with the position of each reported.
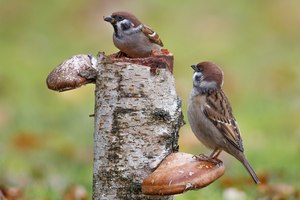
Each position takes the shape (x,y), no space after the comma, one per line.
(119,18)
(198,70)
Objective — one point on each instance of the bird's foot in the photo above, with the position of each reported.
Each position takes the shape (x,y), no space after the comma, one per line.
(120,54)
(202,157)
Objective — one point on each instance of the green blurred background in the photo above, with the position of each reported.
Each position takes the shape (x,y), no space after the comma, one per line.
(46,137)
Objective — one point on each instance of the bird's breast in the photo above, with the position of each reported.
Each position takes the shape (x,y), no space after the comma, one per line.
(201,126)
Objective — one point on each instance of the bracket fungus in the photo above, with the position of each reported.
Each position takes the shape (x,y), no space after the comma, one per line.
(180,172)
(72,73)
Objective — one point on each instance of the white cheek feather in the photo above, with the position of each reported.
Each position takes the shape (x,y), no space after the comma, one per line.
(208,85)
(133,29)
(196,76)
(125,21)
(138,28)
(119,25)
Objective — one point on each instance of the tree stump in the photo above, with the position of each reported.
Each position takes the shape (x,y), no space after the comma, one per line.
(137,119)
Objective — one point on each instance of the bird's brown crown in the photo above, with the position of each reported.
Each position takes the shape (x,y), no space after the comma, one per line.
(127,15)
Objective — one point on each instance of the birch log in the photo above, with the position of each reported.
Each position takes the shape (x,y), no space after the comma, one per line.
(137,119)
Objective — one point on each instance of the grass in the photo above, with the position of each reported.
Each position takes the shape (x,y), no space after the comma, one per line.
(46,140)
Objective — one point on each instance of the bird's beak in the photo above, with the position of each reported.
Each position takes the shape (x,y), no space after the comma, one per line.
(109,19)
(194,67)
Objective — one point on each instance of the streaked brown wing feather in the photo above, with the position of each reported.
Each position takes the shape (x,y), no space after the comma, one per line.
(219,112)
(152,35)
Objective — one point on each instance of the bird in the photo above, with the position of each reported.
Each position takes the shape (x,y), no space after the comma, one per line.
(211,118)
(132,37)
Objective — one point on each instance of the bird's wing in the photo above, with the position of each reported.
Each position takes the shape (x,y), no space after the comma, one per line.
(152,35)
(218,110)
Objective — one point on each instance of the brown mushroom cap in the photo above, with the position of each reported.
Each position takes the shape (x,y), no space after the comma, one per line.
(180,172)
(68,75)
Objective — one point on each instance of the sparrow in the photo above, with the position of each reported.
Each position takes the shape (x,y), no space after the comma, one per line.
(132,37)
(210,115)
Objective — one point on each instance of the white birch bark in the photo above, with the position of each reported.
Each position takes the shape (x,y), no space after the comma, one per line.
(137,119)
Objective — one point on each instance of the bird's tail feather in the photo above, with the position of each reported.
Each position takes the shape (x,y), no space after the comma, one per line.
(250,171)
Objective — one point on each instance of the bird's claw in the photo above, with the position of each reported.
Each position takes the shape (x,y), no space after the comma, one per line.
(203,157)
(121,54)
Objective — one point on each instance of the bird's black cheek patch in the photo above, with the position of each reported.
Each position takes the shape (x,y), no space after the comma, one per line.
(197,76)
(125,26)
